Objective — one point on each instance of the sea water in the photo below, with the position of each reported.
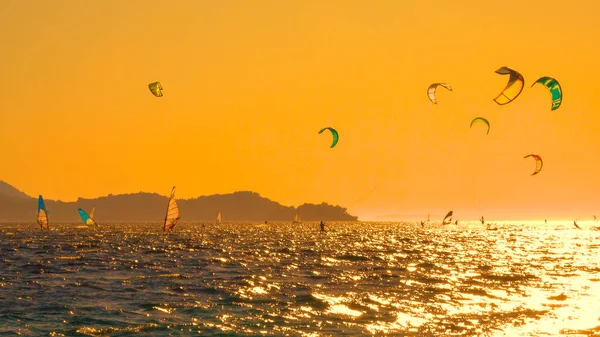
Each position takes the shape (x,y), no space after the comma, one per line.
(283,279)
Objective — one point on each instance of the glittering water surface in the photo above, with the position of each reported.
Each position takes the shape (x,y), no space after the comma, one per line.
(524,279)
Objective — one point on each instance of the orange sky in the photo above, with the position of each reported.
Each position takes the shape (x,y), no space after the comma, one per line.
(248,84)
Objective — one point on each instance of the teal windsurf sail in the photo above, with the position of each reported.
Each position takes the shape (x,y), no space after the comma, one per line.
(42,214)
(88,220)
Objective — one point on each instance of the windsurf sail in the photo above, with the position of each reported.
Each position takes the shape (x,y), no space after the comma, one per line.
(219,217)
(172,215)
(428,218)
(482,220)
(42,214)
(297,217)
(87,219)
(447,218)
(595,219)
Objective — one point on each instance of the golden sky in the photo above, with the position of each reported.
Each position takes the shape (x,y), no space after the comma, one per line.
(248,84)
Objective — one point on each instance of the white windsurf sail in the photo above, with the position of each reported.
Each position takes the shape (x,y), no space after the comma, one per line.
(447,218)
(172,216)
(297,217)
(219,217)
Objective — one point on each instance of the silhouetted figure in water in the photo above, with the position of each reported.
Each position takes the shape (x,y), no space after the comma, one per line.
(546,221)
(322,224)
(456,222)
(422,223)
(265,222)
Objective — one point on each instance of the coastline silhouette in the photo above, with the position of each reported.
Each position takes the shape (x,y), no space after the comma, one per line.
(238,206)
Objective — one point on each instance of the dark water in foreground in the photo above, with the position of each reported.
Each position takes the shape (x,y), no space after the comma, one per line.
(278,279)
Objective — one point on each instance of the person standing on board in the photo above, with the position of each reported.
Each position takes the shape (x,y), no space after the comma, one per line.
(322,224)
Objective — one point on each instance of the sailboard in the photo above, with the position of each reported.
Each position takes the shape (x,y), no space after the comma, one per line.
(172,216)
(219,217)
(297,217)
(42,214)
(447,218)
(87,219)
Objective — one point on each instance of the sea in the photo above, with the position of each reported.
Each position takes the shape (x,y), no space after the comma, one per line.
(527,278)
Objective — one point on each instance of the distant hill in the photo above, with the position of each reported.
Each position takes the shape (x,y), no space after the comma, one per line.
(238,206)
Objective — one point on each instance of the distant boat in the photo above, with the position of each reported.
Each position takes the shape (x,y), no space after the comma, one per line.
(447,219)
(87,219)
(172,215)
(297,217)
(42,214)
(219,217)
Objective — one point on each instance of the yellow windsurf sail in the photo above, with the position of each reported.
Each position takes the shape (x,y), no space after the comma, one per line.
(172,213)
(87,219)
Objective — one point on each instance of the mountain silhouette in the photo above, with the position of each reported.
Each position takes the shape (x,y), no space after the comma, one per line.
(238,206)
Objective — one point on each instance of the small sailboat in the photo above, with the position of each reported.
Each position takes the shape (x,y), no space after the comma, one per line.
(42,214)
(447,219)
(297,217)
(87,219)
(219,218)
(172,216)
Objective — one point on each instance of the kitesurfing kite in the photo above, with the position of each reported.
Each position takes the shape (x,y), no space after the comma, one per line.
(87,219)
(156,89)
(481,120)
(432,89)
(538,163)
(513,88)
(555,90)
(172,216)
(334,133)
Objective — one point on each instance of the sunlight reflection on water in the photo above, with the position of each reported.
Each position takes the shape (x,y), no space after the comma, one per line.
(525,279)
